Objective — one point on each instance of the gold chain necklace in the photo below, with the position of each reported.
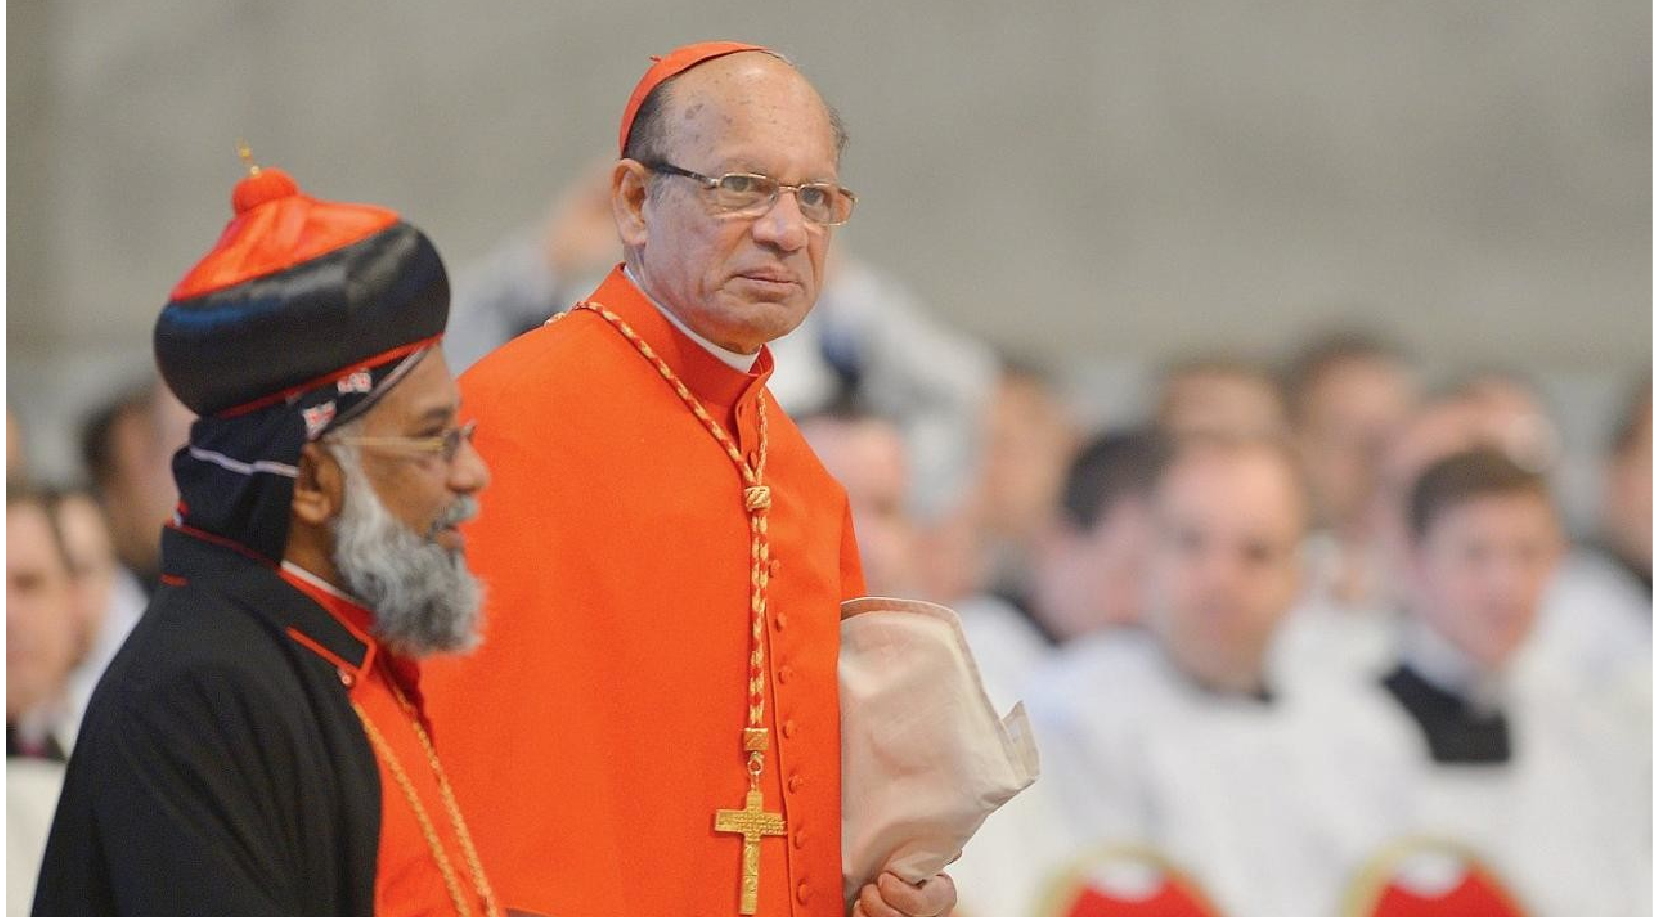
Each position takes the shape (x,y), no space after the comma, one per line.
(450,880)
(751,821)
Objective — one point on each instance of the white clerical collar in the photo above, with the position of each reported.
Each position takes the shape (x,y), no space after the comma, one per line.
(741,362)
(1443,665)
(320,583)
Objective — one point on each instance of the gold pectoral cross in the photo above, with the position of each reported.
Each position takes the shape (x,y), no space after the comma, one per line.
(752,822)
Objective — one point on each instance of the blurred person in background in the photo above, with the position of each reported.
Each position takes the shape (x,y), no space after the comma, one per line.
(115,453)
(108,597)
(127,447)
(1596,621)
(1442,426)
(1178,737)
(1325,641)
(1088,568)
(43,635)
(1348,395)
(1089,571)
(1091,566)
(1513,414)
(1457,742)
(870,338)
(867,455)
(1219,394)
(1030,438)
(45,630)
(953,562)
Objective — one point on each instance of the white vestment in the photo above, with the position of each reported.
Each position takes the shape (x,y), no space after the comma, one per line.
(1138,754)
(1564,824)
(1325,640)
(32,789)
(1595,623)
(126,603)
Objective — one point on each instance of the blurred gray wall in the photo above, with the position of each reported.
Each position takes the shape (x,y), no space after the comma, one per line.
(1077,181)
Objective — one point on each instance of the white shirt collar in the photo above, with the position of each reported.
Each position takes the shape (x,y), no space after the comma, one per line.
(741,362)
(320,583)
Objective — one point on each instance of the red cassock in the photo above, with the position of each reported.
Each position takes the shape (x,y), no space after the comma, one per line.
(594,735)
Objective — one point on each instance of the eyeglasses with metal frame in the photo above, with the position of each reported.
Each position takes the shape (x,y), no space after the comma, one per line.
(445,445)
(748,193)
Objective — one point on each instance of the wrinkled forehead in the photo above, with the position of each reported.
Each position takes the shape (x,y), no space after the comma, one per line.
(750,103)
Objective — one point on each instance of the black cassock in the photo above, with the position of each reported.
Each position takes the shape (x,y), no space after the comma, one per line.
(220,769)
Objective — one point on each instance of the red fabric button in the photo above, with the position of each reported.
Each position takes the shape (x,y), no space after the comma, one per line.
(782,621)
(776,568)
(788,729)
(795,782)
(802,892)
(784,673)
(799,839)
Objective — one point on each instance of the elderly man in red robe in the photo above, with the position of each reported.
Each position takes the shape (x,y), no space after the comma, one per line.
(652,725)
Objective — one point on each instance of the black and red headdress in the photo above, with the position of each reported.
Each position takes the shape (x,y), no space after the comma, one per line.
(303,314)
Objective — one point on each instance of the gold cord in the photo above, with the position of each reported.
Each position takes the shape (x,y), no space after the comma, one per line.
(450,880)
(756,501)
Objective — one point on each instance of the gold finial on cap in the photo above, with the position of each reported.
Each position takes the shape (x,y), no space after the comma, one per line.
(246,154)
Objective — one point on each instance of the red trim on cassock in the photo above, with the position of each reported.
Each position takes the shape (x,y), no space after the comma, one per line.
(353,617)
(317,648)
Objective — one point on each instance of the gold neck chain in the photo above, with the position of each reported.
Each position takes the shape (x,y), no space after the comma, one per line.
(450,880)
(756,500)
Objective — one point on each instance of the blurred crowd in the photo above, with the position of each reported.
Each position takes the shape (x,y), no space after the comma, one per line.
(1301,639)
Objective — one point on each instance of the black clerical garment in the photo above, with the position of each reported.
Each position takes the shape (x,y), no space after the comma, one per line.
(1455,732)
(220,769)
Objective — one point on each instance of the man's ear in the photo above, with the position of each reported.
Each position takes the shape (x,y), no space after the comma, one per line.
(629,186)
(319,489)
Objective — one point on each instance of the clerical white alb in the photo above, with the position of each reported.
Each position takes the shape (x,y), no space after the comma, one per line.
(1532,775)
(1218,784)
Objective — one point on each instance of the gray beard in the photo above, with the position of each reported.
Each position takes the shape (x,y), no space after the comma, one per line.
(423,597)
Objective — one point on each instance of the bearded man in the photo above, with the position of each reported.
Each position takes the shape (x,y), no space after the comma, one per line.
(259,745)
